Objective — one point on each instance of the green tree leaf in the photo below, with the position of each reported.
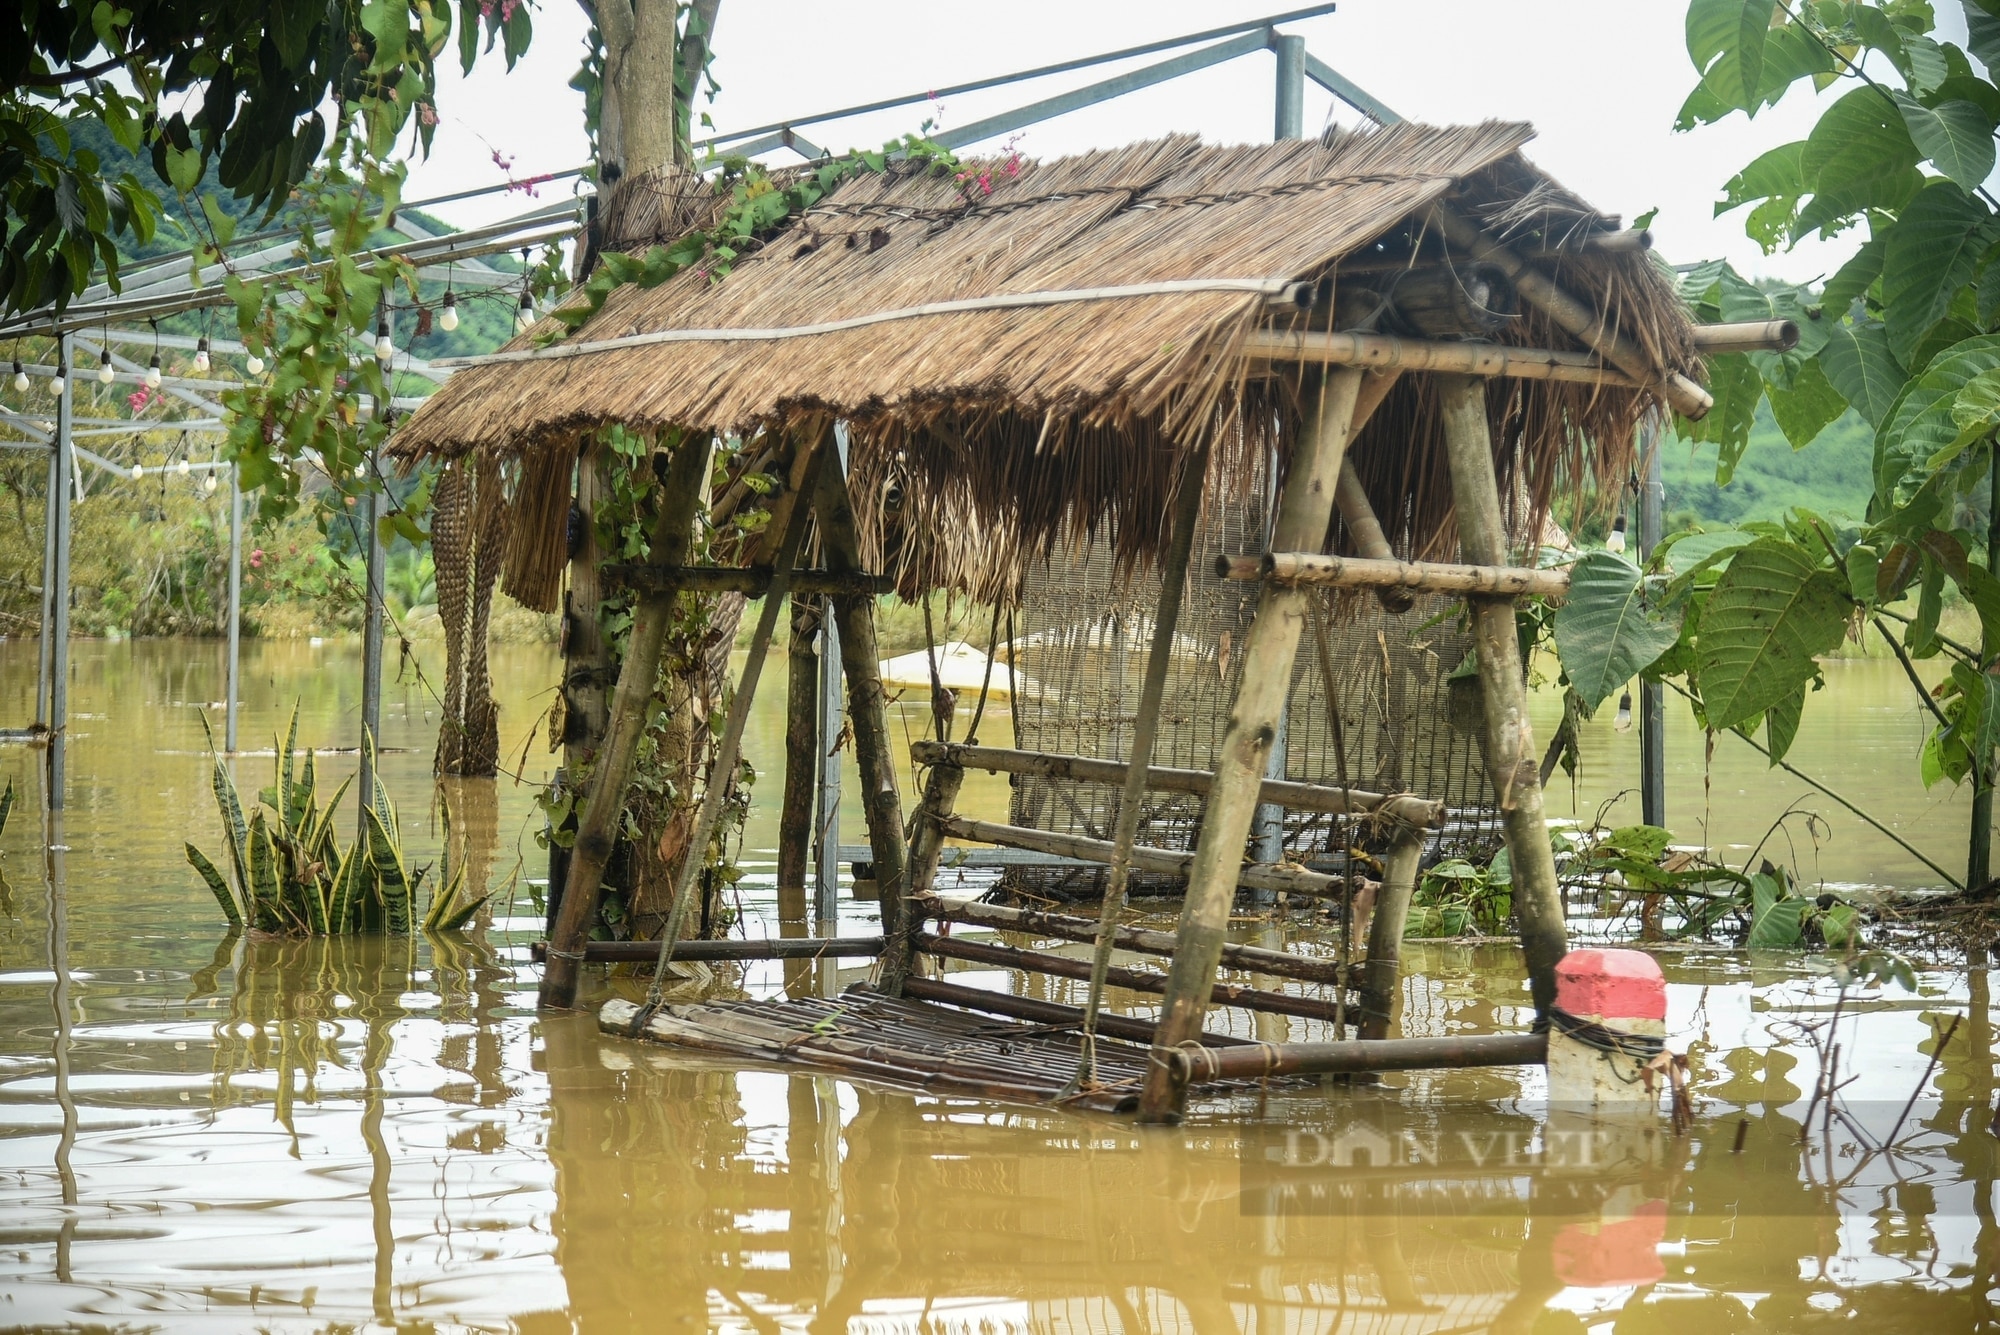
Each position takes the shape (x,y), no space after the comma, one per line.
(1605,633)
(1810,406)
(1777,919)
(1725,39)
(1736,388)
(1773,612)
(1920,424)
(1957,138)
(1932,252)
(1860,141)
(1860,366)
(1781,724)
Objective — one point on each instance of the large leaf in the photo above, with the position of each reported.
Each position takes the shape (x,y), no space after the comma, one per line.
(1859,364)
(1920,424)
(1982,29)
(1777,919)
(217,885)
(1737,388)
(1725,39)
(1932,251)
(1860,144)
(1771,614)
(1781,724)
(1853,278)
(1809,407)
(1605,632)
(1955,136)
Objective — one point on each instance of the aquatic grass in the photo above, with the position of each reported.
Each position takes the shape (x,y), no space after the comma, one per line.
(287,875)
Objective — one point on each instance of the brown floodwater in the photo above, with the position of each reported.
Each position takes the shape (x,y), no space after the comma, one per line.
(198,1132)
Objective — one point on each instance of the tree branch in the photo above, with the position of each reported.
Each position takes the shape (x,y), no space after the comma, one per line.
(616,22)
(1910,670)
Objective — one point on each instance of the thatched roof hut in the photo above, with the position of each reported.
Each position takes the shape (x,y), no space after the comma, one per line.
(1021,369)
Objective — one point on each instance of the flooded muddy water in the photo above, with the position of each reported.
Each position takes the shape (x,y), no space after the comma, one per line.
(199,1133)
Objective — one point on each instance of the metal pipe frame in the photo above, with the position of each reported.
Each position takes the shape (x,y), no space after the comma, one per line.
(61,473)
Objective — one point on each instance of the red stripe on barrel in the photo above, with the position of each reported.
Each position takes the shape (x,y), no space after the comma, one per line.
(1614,984)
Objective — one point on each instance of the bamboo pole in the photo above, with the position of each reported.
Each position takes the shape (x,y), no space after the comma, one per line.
(927,841)
(1381,973)
(868,717)
(790,515)
(1037,1011)
(1540,291)
(1132,980)
(1332,414)
(770,948)
(1132,797)
(631,703)
(1364,530)
(1160,861)
(1747,336)
(1255,1061)
(1286,793)
(795,815)
(1387,352)
(1037,922)
(1510,743)
(1349,572)
(751,582)
(1979,848)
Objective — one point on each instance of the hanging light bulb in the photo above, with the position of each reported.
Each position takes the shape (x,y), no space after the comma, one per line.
(254,364)
(208,484)
(138,471)
(21,381)
(153,372)
(1623,722)
(201,353)
(384,348)
(361,469)
(56,377)
(1614,541)
(104,372)
(184,468)
(524,319)
(448,317)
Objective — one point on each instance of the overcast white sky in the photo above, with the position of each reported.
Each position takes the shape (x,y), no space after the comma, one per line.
(1601,80)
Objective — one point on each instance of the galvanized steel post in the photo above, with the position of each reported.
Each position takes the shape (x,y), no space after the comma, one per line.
(59,595)
(232,677)
(1652,702)
(1290,121)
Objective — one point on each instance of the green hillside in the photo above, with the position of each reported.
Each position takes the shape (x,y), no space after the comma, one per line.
(1829,476)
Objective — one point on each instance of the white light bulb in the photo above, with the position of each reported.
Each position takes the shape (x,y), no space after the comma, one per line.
(21,381)
(448,317)
(137,472)
(104,372)
(1623,723)
(361,469)
(152,377)
(384,349)
(525,320)
(201,360)
(184,468)
(56,378)
(254,364)
(208,484)
(1614,541)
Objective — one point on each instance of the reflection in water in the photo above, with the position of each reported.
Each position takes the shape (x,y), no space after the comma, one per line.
(242,1134)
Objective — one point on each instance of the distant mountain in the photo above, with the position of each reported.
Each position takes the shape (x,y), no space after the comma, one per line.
(1831,476)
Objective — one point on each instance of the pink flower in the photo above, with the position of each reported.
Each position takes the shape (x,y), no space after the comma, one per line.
(257,558)
(507,8)
(427,113)
(139,402)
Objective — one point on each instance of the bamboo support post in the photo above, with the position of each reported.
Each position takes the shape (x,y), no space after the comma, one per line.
(1036,1011)
(1404,807)
(1333,411)
(1538,290)
(1351,572)
(631,703)
(786,531)
(795,814)
(1132,980)
(868,717)
(1132,795)
(775,948)
(1038,922)
(1387,352)
(1509,741)
(1746,336)
(1159,861)
(750,581)
(1364,530)
(927,840)
(1255,1061)
(1381,974)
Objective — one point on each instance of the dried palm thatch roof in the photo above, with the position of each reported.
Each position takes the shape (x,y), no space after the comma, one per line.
(1003,403)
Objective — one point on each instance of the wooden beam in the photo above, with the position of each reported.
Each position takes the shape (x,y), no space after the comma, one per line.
(1511,760)
(1589,326)
(1332,414)
(1132,980)
(1365,531)
(1043,1012)
(751,582)
(631,704)
(1037,922)
(795,812)
(782,948)
(1352,572)
(1387,352)
(868,716)
(1083,769)
(1200,1065)
(1382,973)
(1160,861)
